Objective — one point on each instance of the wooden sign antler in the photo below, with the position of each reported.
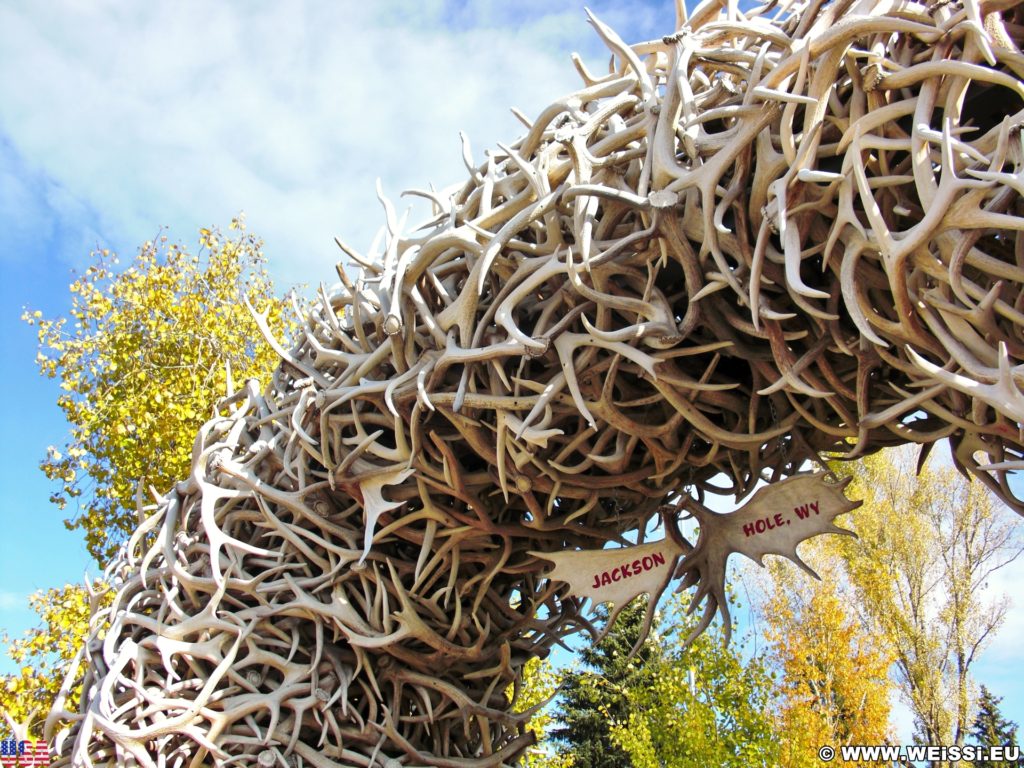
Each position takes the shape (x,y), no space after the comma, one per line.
(766,235)
(773,522)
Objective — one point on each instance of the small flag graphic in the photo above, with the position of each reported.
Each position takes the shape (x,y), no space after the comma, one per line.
(24,753)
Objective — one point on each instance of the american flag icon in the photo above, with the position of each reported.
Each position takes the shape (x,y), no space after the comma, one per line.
(24,753)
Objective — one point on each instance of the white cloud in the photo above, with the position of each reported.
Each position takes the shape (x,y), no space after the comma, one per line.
(12,601)
(185,113)
(1006,645)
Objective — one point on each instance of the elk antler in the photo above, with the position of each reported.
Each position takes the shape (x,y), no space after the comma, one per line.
(749,242)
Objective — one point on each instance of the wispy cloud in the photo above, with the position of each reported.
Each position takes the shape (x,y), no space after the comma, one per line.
(186,113)
(1005,645)
(12,601)
(39,214)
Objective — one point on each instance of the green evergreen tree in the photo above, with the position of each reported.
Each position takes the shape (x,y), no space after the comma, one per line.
(991,729)
(596,697)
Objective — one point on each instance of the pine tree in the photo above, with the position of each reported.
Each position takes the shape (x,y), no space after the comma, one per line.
(991,729)
(595,698)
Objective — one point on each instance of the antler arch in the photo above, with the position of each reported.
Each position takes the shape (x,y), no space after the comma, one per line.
(757,239)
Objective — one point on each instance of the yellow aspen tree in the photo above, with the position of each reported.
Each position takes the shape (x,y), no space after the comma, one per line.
(697,705)
(928,546)
(143,357)
(833,674)
(539,684)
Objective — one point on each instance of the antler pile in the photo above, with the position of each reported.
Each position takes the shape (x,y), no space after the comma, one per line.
(754,240)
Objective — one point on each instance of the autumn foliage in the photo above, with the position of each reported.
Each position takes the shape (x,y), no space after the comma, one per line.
(834,686)
(142,357)
(43,653)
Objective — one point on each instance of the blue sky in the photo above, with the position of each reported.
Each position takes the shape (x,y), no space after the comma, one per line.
(117,119)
